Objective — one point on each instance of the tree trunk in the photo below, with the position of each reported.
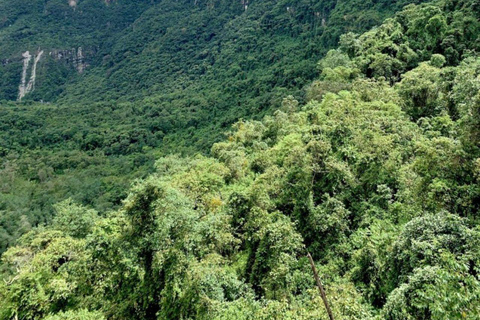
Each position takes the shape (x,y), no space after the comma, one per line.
(320,287)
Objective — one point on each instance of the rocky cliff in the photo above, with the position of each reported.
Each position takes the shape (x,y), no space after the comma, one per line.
(74,58)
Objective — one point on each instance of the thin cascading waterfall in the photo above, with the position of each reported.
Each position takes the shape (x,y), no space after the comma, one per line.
(25,87)
(27,57)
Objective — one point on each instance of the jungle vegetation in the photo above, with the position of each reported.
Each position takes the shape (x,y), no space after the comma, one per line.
(163,77)
(373,169)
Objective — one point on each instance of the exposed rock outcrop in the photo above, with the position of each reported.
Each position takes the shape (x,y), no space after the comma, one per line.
(76,57)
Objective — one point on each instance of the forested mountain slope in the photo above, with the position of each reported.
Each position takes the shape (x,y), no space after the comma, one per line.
(376,175)
(119,83)
(137,48)
(72,34)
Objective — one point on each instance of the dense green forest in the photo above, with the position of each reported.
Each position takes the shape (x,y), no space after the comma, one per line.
(163,77)
(368,159)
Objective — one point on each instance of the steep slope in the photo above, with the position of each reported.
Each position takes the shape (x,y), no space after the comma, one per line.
(377,176)
(157,77)
(72,33)
(176,44)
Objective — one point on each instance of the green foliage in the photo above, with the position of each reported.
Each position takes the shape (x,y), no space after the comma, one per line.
(425,239)
(76,221)
(421,89)
(45,269)
(162,77)
(81,314)
(434,293)
(377,176)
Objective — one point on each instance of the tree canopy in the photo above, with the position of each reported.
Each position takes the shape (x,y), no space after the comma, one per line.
(376,174)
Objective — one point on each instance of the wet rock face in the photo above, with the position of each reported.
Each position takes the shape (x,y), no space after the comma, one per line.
(77,57)
(73,3)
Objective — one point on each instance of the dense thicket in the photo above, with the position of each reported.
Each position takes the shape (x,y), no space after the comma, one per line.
(376,176)
(163,77)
